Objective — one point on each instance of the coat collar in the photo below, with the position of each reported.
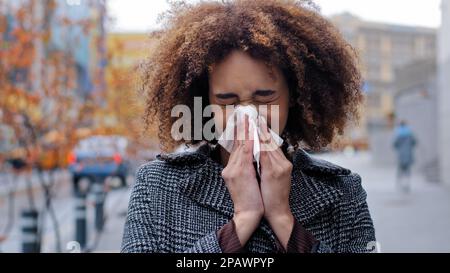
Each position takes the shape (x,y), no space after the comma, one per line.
(310,192)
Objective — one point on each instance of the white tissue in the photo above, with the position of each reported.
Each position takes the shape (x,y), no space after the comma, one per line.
(226,140)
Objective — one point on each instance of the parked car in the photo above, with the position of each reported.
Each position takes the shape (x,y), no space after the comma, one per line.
(99,157)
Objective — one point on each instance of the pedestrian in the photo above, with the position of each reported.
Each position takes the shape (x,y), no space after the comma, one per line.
(404,144)
(243,53)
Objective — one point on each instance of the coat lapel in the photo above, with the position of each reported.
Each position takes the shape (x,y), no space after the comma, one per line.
(311,192)
(310,196)
(204,183)
(207,187)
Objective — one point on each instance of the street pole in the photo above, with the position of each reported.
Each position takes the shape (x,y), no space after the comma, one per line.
(31,242)
(80,218)
(99,195)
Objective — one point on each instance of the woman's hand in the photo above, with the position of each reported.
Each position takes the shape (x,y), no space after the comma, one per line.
(276,171)
(240,179)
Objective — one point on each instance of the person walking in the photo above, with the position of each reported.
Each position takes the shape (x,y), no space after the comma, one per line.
(404,144)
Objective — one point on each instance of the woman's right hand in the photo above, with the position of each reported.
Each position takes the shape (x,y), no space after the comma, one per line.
(240,179)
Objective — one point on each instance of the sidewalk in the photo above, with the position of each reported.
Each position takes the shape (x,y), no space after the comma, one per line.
(415,222)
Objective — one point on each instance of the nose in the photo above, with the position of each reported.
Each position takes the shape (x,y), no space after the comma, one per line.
(245,103)
(250,110)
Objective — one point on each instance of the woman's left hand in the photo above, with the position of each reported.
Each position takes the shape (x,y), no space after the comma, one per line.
(276,172)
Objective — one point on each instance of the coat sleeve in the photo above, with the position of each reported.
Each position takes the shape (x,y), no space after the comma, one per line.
(207,244)
(361,237)
(140,234)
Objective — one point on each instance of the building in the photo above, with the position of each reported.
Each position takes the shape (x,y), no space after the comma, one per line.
(67,22)
(444,92)
(382,48)
(73,40)
(126,51)
(88,48)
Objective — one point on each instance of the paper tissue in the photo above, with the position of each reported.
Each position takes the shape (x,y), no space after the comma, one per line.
(226,140)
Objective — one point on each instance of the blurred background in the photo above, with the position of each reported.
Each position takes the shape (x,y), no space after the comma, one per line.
(71,129)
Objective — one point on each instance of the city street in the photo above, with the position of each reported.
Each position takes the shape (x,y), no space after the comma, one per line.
(415,222)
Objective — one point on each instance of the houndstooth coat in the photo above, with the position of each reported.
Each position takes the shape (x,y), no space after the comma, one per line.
(180,200)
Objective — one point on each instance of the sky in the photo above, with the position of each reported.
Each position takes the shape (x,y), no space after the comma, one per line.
(141,15)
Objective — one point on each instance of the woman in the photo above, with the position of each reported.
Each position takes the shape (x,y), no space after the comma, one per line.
(261,53)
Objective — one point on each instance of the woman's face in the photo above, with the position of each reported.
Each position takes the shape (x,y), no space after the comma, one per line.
(240,79)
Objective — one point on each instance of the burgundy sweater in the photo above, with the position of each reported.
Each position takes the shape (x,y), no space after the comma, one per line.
(300,241)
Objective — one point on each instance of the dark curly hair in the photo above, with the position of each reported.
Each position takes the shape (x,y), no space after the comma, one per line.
(319,65)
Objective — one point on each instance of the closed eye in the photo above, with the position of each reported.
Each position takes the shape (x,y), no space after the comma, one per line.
(226,96)
(264,93)
(260,95)
(265,96)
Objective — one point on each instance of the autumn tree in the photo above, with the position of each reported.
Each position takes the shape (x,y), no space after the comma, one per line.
(39,102)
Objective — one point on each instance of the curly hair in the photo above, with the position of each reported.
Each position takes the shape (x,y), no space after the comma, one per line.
(319,65)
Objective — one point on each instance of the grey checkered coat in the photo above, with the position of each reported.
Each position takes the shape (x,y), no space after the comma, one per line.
(180,200)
